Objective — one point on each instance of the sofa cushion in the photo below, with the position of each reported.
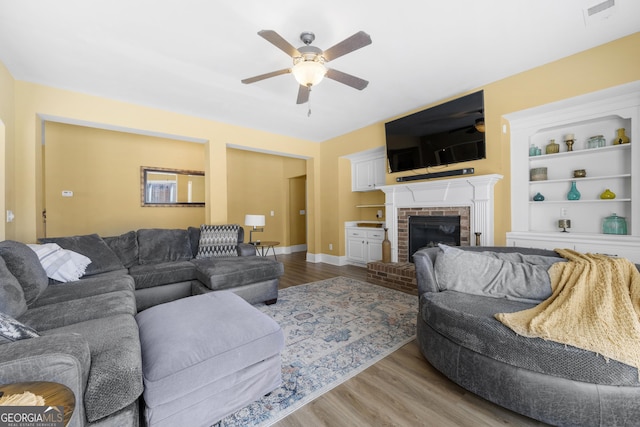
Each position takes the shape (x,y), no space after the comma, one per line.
(468,320)
(125,246)
(66,313)
(156,245)
(13,330)
(90,286)
(93,247)
(23,263)
(115,378)
(218,241)
(151,275)
(12,300)
(479,274)
(224,273)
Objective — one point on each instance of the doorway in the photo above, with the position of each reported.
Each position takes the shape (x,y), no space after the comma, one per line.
(298,213)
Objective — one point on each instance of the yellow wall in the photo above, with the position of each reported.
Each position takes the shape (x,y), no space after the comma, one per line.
(34,101)
(608,65)
(257,184)
(7,108)
(102,168)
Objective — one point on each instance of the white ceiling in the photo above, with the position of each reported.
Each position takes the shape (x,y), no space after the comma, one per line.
(189,56)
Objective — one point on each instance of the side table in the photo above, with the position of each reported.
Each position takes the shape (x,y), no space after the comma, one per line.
(263,247)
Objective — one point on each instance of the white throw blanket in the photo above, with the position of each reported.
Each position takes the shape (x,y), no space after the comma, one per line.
(60,264)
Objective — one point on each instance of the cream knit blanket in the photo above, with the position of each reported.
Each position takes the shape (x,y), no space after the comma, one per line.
(595,305)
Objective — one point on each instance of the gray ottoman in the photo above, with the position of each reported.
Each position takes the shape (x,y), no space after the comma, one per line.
(206,356)
(254,278)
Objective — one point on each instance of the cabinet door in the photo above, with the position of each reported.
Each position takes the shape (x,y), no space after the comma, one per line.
(379,170)
(356,249)
(374,250)
(362,176)
(374,245)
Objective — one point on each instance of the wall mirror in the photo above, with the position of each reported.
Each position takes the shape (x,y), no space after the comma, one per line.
(171,187)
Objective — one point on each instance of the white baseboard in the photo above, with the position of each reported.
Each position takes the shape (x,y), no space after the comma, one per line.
(285,250)
(327,259)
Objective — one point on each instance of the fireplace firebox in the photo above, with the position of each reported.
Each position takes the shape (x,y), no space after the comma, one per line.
(428,231)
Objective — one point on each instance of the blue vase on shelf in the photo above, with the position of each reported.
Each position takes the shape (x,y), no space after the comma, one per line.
(573,193)
(538,197)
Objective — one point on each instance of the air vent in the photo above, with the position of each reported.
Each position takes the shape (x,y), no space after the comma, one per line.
(599,12)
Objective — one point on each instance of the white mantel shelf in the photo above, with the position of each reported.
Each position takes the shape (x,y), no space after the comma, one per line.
(476,192)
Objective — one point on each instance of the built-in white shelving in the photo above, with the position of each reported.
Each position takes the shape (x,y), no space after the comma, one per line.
(615,167)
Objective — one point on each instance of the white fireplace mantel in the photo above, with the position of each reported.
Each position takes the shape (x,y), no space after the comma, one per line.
(476,192)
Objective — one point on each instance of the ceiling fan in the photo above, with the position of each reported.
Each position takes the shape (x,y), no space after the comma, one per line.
(309,61)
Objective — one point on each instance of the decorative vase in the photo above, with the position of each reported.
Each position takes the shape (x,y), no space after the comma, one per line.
(608,194)
(386,247)
(621,138)
(614,224)
(538,197)
(573,193)
(552,147)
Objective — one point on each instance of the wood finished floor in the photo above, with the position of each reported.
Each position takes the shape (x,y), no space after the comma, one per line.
(400,390)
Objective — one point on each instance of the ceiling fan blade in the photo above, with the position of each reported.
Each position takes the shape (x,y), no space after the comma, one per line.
(347,79)
(266,76)
(303,94)
(279,42)
(355,42)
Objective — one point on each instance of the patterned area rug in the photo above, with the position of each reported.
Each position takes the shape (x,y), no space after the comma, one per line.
(334,329)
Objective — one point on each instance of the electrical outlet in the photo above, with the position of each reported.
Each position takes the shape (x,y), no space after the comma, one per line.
(563,212)
(330,246)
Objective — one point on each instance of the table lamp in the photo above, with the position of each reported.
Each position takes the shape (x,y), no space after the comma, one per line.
(564,224)
(255,221)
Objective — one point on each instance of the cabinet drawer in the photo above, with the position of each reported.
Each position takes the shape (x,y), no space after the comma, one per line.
(379,235)
(351,232)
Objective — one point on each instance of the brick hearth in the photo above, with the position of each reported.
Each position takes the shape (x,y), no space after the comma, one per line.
(400,276)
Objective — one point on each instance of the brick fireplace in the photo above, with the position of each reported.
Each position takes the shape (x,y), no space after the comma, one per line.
(471,198)
(436,212)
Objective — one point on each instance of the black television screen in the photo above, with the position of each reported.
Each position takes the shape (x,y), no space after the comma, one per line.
(448,133)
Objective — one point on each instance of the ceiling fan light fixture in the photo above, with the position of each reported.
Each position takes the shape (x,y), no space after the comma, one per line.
(309,73)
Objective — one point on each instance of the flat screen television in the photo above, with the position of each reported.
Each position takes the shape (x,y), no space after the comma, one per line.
(448,133)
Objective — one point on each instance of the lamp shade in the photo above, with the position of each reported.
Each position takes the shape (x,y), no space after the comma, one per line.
(254,220)
(309,73)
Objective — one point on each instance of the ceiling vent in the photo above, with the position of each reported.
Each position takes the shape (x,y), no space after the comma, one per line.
(599,12)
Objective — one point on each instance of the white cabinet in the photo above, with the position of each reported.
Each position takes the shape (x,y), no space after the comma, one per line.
(368,174)
(613,167)
(368,169)
(363,244)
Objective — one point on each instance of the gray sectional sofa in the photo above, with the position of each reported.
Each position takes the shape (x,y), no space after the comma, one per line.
(83,333)
(458,334)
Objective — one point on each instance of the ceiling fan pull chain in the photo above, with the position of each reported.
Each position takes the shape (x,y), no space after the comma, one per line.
(309,103)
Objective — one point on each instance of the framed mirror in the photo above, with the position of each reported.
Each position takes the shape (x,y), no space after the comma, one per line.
(171,187)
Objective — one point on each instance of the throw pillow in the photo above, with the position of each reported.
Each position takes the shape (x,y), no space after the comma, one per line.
(93,247)
(23,263)
(13,330)
(12,300)
(62,265)
(218,241)
(478,274)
